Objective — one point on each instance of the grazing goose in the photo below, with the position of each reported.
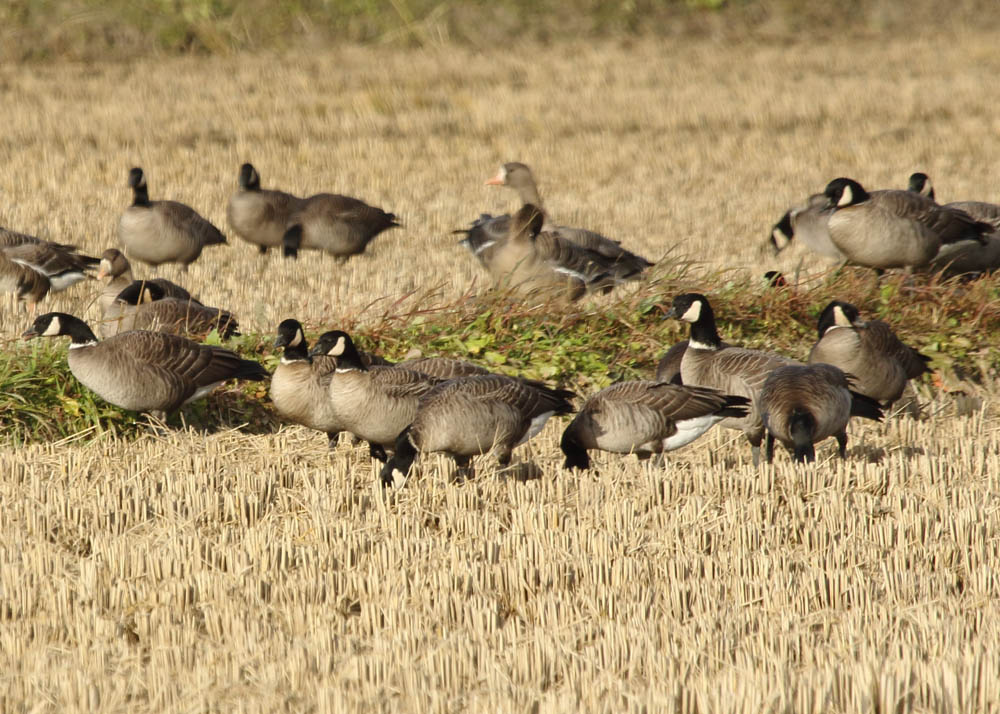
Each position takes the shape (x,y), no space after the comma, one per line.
(967,257)
(61,264)
(878,362)
(260,216)
(158,232)
(145,306)
(618,262)
(116,269)
(300,384)
(340,225)
(804,404)
(374,403)
(731,370)
(809,224)
(144,371)
(643,418)
(473,415)
(894,229)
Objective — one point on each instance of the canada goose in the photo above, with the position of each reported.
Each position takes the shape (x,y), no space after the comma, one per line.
(894,229)
(300,384)
(809,224)
(374,403)
(116,269)
(472,415)
(144,306)
(158,232)
(644,417)
(804,404)
(144,371)
(731,370)
(967,257)
(61,264)
(443,367)
(878,362)
(260,216)
(620,263)
(340,225)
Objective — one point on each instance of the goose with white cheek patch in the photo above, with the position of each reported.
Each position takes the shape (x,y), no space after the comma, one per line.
(143,371)
(470,416)
(375,403)
(145,306)
(809,224)
(643,418)
(116,269)
(730,370)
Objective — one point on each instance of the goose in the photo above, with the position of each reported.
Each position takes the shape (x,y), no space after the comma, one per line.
(300,383)
(340,225)
(967,257)
(808,223)
(620,263)
(260,216)
(61,264)
(879,363)
(145,306)
(803,404)
(116,269)
(374,403)
(443,367)
(643,417)
(158,232)
(469,416)
(894,229)
(144,371)
(26,284)
(731,370)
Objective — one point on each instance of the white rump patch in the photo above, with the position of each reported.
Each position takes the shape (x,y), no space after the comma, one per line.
(202,391)
(483,247)
(537,424)
(571,273)
(693,313)
(689,430)
(65,280)
(846,196)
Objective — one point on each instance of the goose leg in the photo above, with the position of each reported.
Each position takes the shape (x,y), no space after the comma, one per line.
(465,469)
(262,249)
(842,444)
(332,437)
(769,455)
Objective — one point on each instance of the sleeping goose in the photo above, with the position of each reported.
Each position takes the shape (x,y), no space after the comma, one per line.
(879,363)
(469,416)
(145,306)
(803,404)
(158,232)
(260,216)
(144,371)
(643,417)
(731,370)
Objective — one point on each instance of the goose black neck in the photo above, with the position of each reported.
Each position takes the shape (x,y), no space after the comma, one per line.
(402,459)
(297,353)
(140,196)
(77,330)
(576,455)
(350,358)
(703,329)
(801,426)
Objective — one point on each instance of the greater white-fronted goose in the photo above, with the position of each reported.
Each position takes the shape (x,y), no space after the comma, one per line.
(145,306)
(894,229)
(62,265)
(643,418)
(731,370)
(609,254)
(260,216)
(469,416)
(374,403)
(117,271)
(339,225)
(158,232)
(803,404)
(144,371)
(878,362)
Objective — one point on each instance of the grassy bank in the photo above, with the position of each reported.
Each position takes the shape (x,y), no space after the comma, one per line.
(956,323)
(90,29)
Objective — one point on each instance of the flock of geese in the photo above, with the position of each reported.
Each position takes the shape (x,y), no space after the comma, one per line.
(146,361)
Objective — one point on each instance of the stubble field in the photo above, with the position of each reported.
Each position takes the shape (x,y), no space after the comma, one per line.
(256,572)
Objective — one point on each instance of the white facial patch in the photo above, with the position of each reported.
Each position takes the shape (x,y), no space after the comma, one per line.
(105,266)
(297,340)
(781,239)
(502,174)
(839,318)
(693,313)
(338,348)
(398,478)
(53,329)
(846,196)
